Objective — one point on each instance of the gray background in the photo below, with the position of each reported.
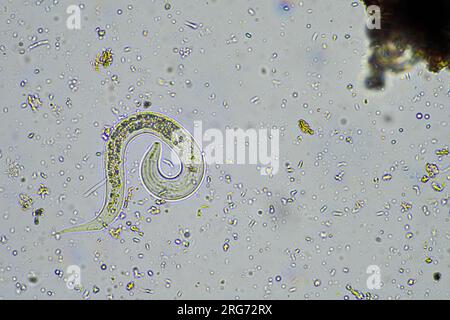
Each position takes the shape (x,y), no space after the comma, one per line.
(215,84)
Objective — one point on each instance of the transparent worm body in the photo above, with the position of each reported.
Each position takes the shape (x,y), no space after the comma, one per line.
(179,187)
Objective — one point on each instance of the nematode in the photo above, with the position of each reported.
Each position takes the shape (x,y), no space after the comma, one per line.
(179,187)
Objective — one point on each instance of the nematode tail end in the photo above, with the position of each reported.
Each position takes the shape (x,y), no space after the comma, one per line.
(93,225)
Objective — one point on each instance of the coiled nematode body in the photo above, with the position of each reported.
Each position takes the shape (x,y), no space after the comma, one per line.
(179,187)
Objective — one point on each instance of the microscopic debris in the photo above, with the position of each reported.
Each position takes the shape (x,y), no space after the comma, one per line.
(105,59)
(241,150)
(304,127)
(25,201)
